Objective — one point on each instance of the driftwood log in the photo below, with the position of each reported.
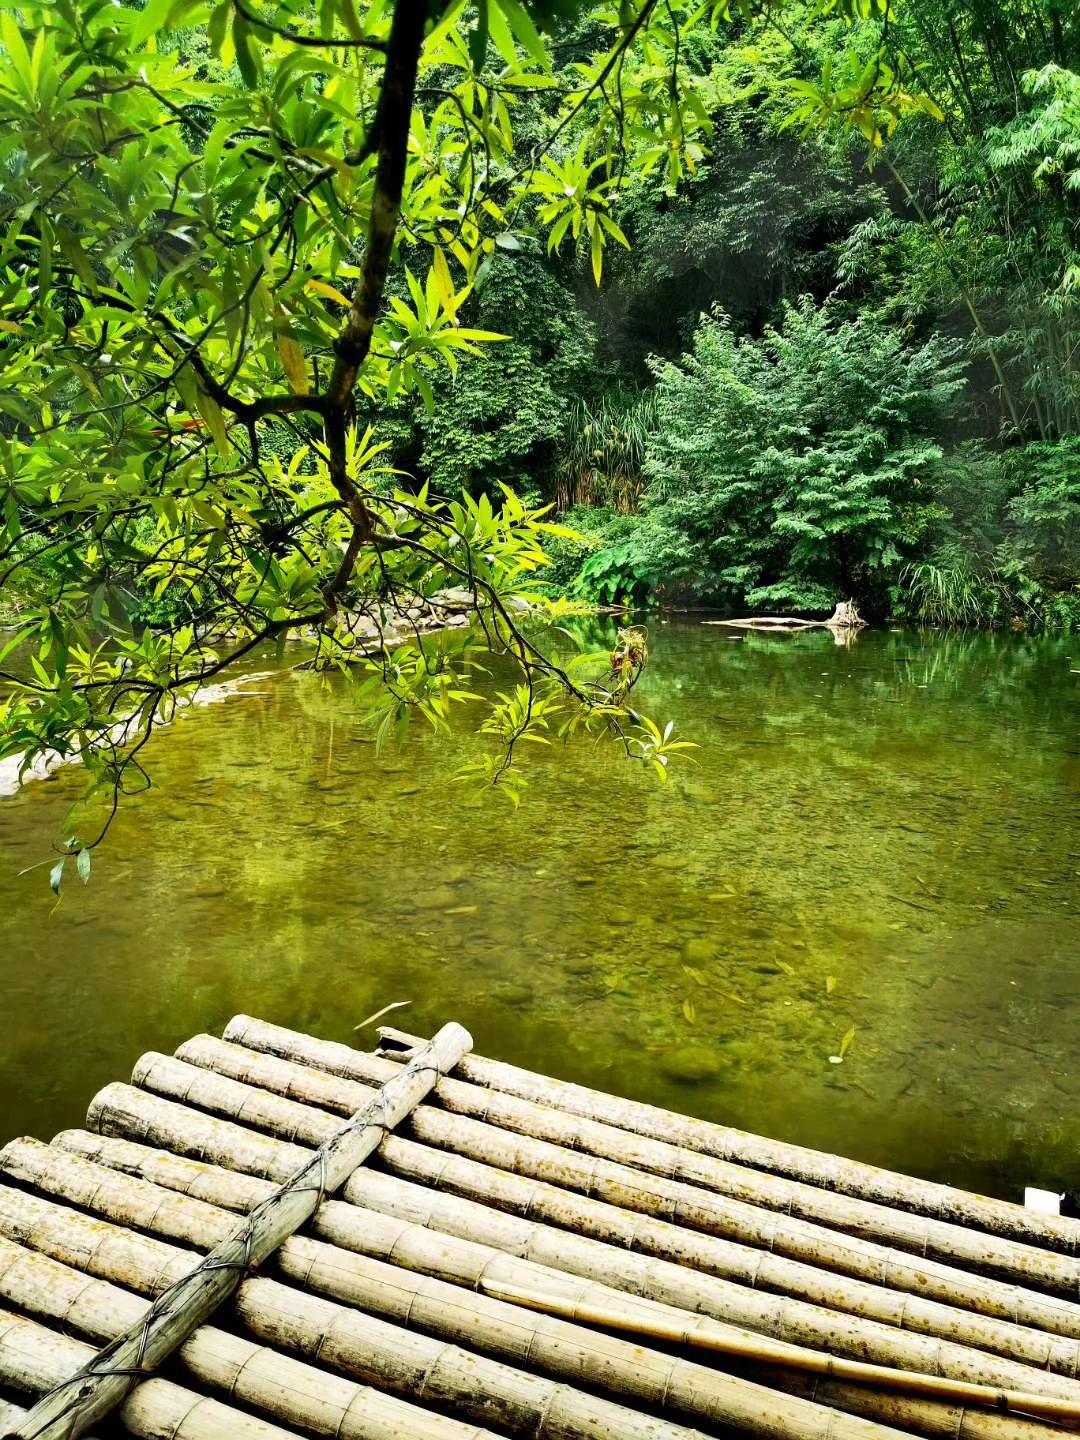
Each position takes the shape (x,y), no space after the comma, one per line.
(844,617)
(83,1399)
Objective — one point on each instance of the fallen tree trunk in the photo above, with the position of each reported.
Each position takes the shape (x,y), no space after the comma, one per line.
(844,617)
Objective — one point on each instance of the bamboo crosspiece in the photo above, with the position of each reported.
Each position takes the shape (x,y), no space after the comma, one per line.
(102,1383)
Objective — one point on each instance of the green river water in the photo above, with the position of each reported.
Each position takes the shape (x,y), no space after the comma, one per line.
(882,837)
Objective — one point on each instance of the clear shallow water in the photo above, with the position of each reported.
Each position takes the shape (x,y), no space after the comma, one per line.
(901,816)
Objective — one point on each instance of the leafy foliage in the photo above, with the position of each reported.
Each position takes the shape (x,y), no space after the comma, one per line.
(600,461)
(226,232)
(796,470)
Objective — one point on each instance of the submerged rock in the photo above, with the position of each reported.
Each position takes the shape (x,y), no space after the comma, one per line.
(515,994)
(579,967)
(698,950)
(691,1064)
(439,899)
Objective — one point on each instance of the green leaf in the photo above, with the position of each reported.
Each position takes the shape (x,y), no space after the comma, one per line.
(478,37)
(56,874)
(293,363)
(444,281)
(525,31)
(210,411)
(351,18)
(82,865)
(152,19)
(246,51)
(217,27)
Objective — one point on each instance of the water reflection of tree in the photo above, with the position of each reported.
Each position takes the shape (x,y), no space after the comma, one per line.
(1017,677)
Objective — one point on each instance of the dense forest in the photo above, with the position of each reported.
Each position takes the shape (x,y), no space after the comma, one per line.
(825,367)
(313,315)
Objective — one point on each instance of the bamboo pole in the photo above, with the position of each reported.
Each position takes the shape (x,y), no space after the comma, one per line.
(687,1268)
(510,1334)
(601,1242)
(414,1364)
(623,1185)
(286,1389)
(521,1403)
(70,1410)
(926,1417)
(573,1264)
(127,1113)
(921,1234)
(221,1093)
(435,1305)
(815,1167)
(750,1347)
(199,1179)
(33,1358)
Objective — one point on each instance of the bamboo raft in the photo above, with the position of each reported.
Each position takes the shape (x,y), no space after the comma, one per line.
(270,1235)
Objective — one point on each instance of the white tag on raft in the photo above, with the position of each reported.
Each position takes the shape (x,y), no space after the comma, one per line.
(1046,1202)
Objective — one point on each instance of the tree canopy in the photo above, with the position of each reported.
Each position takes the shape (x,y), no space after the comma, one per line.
(280,279)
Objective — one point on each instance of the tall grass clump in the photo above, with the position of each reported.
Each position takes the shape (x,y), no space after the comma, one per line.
(600,464)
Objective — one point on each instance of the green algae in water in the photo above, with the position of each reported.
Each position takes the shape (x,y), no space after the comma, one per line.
(882,837)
